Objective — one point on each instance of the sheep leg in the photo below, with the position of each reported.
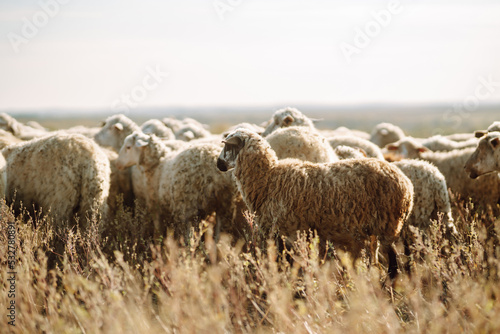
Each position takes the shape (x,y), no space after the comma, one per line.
(393,261)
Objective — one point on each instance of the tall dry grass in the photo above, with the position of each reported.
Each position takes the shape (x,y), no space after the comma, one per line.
(118,281)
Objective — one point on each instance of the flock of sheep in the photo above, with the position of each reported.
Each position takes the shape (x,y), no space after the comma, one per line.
(348,185)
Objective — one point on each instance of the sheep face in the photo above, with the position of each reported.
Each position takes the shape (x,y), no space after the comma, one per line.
(130,153)
(112,131)
(287,117)
(485,158)
(233,144)
(406,148)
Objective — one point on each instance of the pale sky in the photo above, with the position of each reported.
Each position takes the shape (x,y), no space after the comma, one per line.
(92,54)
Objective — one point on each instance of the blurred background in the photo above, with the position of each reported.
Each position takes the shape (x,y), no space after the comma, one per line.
(429,66)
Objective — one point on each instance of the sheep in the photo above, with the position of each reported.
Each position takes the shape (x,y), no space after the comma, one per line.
(343,131)
(193,188)
(157,127)
(187,129)
(190,132)
(7,139)
(147,152)
(386,133)
(35,125)
(88,132)
(430,198)
(459,136)
(62,173)
(486,157)
(114,131)
(450,164)
(441,143)
(286,117)
(181,185)
(346,202)
(301,143)
(346,152)
(244,125)
(3,176)
(371,150)
(120,183)
(173,123)
(18,129)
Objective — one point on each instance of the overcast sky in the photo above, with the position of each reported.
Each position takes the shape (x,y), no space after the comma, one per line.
(106,54)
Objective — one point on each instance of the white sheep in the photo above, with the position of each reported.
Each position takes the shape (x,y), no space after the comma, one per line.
(346,152)
(114,131)
(191,131)
(486,158)
(441,143)
(371,150)
(62,173)
(430,197)
(86,131)
(343,131)
(301,143)
(148,153)
(459,136)
(386,133)
(346,202)
(256,128)
(7,139)
(120,183)
(450,164)
(286,117)
(194,188)
(182,186)
(158,128)
(18,129)
(173,123)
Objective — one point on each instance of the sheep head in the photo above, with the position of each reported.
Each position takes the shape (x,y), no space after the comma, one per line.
(485,158)
(130,152)
(406,148)
(287,117)
(233,144)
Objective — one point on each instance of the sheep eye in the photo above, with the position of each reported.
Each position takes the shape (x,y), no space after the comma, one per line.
(128,147)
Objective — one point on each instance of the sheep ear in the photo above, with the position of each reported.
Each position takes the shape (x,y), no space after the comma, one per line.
(235,140)
(288,120)
(494,142)
(316,120)
(118,126)
(480,133)
(141,142)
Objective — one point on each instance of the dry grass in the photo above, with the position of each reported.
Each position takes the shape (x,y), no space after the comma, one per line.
(121,283)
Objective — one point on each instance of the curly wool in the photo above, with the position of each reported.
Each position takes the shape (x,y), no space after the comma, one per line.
(371,150)
(430,195)
(65,174)
(301,143)
(484,190)
(345,202)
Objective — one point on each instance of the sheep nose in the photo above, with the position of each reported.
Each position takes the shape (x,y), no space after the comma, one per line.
(221,165)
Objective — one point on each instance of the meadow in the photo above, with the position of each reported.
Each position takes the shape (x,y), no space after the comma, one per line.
(115,278)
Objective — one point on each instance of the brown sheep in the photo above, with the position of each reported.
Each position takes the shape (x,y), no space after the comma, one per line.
(346,202)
